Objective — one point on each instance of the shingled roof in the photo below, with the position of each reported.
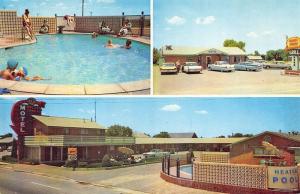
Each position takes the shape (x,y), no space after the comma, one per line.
(51,121)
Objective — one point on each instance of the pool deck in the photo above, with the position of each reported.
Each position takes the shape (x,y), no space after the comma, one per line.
(31,88)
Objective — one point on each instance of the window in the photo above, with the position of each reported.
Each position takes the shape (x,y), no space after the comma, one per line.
(84,132)
(261,151)
(100,132)
(66,131)
(189,58)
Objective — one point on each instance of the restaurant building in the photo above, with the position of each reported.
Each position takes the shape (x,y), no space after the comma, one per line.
(272,148)
(203,56)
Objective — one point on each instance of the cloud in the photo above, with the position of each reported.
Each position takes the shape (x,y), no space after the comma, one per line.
(167,29)
(252,34)
(171,108)
(10,5)
(267,32)
(105,1)
(43,3)
(86,111)
(205,20)
(176,20)
(201,112)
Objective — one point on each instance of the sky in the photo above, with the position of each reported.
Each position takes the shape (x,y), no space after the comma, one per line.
(69,7)
(208,117)
(262,24)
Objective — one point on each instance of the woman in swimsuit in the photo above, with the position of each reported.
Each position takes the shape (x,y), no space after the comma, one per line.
(27,24)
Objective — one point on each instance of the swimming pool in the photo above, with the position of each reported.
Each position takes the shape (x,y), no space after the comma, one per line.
(186,168)
(79,59)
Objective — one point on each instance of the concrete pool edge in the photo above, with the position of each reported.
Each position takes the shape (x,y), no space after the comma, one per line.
(92,89)
(86,89)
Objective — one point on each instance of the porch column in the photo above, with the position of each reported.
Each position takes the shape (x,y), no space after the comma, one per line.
(86,152)
(40,150)
(61,153)
(51,153)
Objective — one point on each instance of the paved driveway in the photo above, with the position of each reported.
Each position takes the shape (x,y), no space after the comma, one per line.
(266,82)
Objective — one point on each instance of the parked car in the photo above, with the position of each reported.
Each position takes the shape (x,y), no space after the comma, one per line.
(191,67)
(277,64)
(221,66)
(155,153)
(248,66)
(168,68)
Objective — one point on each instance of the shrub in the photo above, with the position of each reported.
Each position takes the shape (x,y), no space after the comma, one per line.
(106,161)
(9,159)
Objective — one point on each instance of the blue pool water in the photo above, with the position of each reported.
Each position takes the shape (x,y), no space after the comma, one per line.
(186,168)
(79,59)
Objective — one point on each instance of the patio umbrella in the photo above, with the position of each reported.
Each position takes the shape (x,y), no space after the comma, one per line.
(126,151)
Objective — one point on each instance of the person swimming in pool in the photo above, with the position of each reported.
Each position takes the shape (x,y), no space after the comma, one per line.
(127,44)
(95,35)
(110,44)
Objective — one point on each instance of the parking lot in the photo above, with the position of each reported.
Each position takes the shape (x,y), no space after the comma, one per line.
(265,82)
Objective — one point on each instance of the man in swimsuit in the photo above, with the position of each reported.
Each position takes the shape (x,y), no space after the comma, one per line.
(27,24)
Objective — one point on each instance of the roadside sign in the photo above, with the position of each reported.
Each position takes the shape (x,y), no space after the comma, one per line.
(283,177)
(72,153)
(293,43)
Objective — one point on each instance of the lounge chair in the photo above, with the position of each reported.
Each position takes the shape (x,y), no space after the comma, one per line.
(104,29)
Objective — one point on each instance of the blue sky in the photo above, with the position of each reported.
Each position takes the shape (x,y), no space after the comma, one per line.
(208,117)
(69,7)
(262,24)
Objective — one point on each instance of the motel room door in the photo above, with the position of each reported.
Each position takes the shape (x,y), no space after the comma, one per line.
(208,61)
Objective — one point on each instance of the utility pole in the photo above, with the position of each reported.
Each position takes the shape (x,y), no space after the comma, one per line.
(82,7)
(95,110)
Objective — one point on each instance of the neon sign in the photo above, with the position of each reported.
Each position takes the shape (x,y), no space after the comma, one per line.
(21,115)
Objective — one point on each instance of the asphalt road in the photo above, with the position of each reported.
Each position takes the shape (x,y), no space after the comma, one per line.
(20,182)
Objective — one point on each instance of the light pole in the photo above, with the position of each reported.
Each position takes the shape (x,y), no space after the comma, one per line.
(82,7)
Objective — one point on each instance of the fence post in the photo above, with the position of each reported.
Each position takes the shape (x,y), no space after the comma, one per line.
(123,18)
(142,23)
(178,167)
(163,165)
(169,162)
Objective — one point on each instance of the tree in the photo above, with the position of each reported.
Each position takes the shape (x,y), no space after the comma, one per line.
(278,55)
(234,43)
(156,55)
(256,53)
(6,135)
(221,136)
(240,135)
(162,134)
(119,131)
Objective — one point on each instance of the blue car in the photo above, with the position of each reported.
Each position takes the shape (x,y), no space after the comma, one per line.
(248,66)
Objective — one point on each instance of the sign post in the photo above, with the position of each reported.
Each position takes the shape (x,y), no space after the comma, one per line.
(293,48)
(22,121)
(283,177)
(72,156)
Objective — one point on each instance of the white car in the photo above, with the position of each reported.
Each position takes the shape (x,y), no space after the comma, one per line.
(155,153)
(222,66)
(191,67)
(277,64)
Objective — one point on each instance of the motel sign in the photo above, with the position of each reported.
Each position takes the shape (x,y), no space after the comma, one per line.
(283,177)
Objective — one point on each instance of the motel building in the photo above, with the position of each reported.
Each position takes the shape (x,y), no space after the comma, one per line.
(47,139)
(203,56)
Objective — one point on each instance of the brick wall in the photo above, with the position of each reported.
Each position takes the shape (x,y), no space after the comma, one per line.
(251,176)
(216,187)
(91,23)
(242,153)
(218,157)
(9,23)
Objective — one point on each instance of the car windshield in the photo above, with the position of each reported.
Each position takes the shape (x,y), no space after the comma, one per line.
(221,62)
(168,65)
(191,64)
